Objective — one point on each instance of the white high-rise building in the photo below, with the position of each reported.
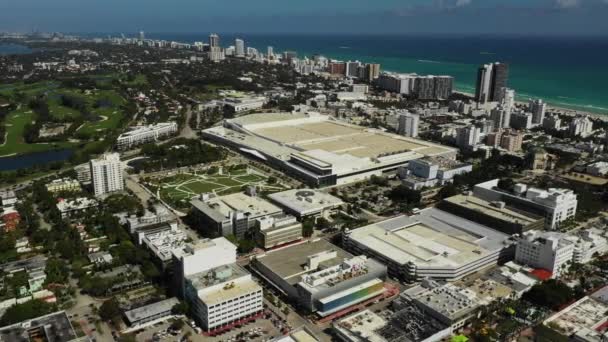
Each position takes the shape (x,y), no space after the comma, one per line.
(142,35)
(552,122)
(557,205)
(507,99)
(106,173)
(239,46)
(501,117)
(214,40)
(581,126)
(270,52)
(537,108)
(218,291)
(468,137)
(408,125)
(547,250)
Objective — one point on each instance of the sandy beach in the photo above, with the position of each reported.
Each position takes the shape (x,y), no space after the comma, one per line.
(554,109)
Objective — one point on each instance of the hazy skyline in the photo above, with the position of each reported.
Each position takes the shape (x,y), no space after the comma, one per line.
(542,17)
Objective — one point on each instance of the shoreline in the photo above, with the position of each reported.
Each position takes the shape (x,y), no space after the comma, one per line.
(554,109)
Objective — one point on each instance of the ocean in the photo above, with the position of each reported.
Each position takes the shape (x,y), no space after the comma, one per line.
(569,72)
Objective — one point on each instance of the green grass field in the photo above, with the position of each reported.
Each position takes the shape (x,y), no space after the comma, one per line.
(179,189)
(15,124)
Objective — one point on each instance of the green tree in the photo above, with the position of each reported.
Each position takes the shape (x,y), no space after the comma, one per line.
(21,312)
(109,310)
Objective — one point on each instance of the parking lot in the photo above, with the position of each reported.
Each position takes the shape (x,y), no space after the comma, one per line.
(260,330)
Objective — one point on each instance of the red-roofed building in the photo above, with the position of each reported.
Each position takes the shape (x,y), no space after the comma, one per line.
(11,220)
(541,274)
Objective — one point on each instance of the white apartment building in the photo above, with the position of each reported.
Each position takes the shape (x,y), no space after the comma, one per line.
(581,126)
(586,245)
(547,250)
(63,184)
(538,109)
(145,134)
(106,173)
(408,125)
(468,137)
(556,205)
(551,122)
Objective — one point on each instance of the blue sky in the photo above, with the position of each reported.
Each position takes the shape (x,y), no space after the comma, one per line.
(539,17)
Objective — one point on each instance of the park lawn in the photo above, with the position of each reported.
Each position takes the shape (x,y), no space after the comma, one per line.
(140,79)
(201,187)
(111,115)
(252,178)
(27,89)
(15,126)
(227,181)
(60,112)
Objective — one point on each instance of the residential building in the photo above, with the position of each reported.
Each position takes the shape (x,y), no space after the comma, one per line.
(538,109)
(8,199)
(546,250)
(430,244)
(599,168)
(555,205)
(581,126)
(107,174)
(145,134)
(233,214)
(408,125)
(63,184)
(304,203)
(239,47)
(496,215)
(151,312)
(275,231)
(552,122)
(501,117)
(100,258)
(336,68)
(468,137)
(521,120)
(70,207)
(507,139)
(587,245)
(321,277)
(83,173)
(491,78)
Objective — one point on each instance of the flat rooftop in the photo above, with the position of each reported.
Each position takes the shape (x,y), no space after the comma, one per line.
(347,148)
(255,206)
(55,327)
(235,289)
(488,208)
(362,326)
(587,313)
(217,275)
(151,310)
(317,132)
(305,201)
(432,238)
(288,263)
(449,300)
